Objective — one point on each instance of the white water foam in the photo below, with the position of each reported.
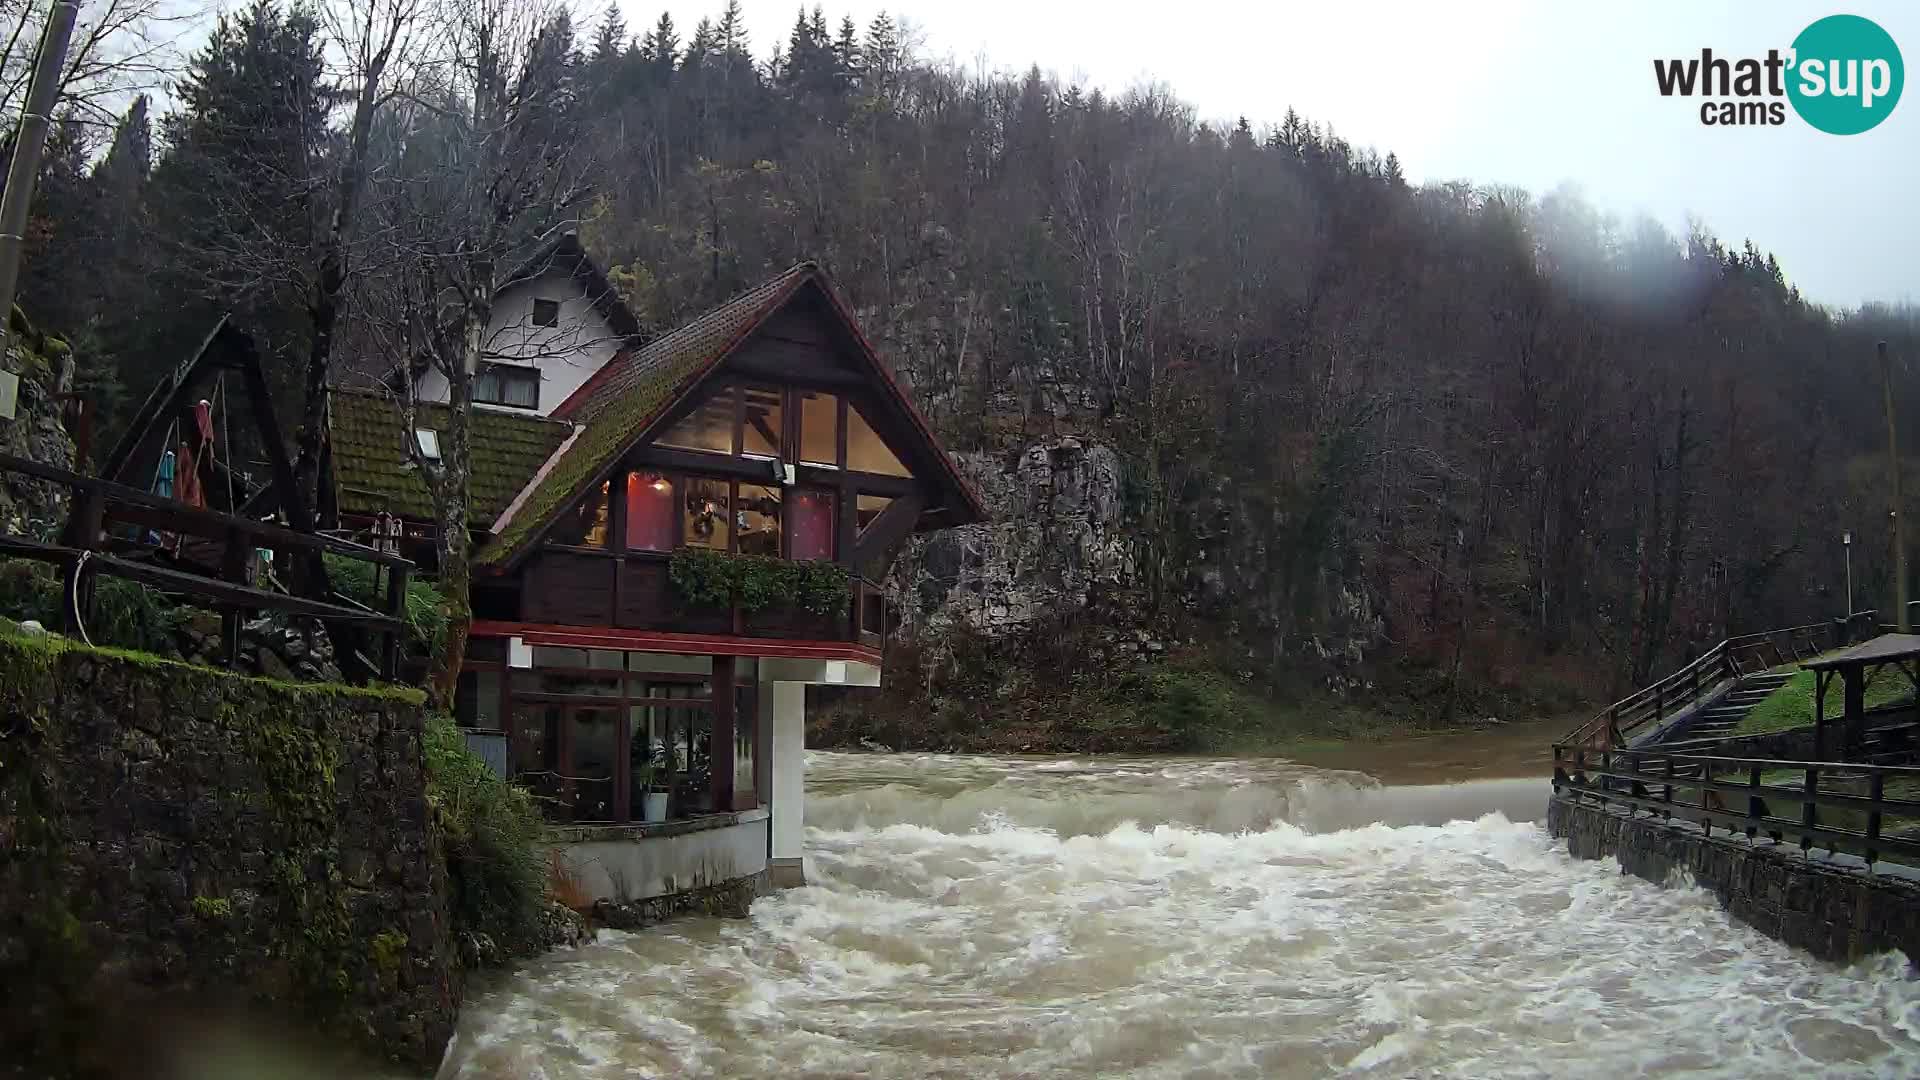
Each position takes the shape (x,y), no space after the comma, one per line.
(971,917)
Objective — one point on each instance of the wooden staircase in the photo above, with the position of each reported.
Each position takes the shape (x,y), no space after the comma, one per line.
(1710,696)
(1720,717)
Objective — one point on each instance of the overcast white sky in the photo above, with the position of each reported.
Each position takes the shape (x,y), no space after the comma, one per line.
(1530,94)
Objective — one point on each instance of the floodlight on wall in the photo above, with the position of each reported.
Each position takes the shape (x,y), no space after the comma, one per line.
(429,443)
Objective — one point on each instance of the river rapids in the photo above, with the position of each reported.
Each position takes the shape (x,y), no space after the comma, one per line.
(1030,917)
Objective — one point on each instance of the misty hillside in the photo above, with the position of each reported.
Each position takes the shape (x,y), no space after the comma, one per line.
(1249,406)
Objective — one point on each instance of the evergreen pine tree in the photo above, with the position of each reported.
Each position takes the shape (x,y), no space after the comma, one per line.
(235,197)
(1293,134)
(663,49)
(610,41)
(1242,137)
(700,47)
(798,66)
(881,56)
(730,33)
(846,53)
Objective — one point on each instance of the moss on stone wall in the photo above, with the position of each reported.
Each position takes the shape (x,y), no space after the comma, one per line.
(168,830)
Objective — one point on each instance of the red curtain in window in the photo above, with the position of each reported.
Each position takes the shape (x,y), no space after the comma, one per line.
(810,519)
(651,524)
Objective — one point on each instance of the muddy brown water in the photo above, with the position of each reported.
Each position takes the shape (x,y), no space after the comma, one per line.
(1366,910)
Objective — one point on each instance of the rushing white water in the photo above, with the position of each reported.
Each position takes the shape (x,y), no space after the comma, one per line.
(977,917)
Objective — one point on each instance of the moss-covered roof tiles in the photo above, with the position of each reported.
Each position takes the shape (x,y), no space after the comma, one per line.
(371,470)
(626,396)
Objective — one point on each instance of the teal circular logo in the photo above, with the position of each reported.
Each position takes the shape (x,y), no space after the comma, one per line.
(1846,75)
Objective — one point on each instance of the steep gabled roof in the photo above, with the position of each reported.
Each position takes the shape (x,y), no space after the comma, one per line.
(371,472)
(565,254)
(621,402)
(703,340)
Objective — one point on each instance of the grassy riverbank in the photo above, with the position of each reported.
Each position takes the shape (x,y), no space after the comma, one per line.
(1174,705)
(1792,705)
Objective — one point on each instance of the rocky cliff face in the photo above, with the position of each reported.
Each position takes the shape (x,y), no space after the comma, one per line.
(1057,538)
(33,507)
(1063,539)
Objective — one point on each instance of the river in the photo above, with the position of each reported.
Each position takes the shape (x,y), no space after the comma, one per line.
(1028,917)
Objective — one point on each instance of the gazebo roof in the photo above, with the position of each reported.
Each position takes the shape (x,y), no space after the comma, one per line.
(1885,649)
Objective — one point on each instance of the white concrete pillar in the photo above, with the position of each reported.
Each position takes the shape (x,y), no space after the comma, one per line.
(783,708)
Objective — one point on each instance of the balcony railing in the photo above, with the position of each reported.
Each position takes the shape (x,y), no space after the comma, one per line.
(635,591)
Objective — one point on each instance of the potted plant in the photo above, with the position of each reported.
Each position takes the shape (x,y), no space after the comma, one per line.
(653,804)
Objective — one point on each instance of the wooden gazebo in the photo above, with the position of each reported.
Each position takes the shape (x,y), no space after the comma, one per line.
(1855,666)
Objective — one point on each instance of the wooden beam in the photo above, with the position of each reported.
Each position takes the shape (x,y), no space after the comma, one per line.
(693,461)
(180,581)
(247,359)
(662,641)
(758,367)
(210,524)
(720,741)
(168,396)
(892,526)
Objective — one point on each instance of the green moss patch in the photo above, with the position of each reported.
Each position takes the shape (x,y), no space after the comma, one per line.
(167,827)
(15,644)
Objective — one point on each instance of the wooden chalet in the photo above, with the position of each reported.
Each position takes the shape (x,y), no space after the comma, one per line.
(764,439)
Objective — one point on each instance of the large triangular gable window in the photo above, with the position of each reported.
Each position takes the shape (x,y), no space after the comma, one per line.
(708,427)
(749,420)
(866,451)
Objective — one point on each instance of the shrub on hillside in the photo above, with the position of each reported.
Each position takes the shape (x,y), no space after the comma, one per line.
(126,614)
(494,842)
(1189,705)
(426,615)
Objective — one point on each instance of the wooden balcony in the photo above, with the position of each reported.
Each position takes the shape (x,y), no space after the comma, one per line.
(633,591)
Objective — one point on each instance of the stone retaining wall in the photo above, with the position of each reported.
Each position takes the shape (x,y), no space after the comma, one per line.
(179,842)
(1833,911)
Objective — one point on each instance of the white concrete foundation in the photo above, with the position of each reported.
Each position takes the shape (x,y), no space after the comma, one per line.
(625,863)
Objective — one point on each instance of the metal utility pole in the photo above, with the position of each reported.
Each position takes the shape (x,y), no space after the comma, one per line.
(1903,621)
(42,94)
(1846,545)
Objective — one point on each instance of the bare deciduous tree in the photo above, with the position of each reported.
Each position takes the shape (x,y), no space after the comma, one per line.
(485,156)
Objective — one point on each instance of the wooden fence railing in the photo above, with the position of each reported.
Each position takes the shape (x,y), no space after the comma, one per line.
(1645,708)
(1863,809)
(82,552)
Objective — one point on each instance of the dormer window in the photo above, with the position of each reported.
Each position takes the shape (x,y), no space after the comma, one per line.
(546,313)
(506,384)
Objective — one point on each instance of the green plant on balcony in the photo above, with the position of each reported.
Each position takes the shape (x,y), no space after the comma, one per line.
(718,579)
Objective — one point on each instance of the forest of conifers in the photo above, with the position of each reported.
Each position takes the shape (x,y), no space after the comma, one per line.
(1518,427)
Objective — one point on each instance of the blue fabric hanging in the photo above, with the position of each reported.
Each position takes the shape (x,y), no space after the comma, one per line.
(163,487)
